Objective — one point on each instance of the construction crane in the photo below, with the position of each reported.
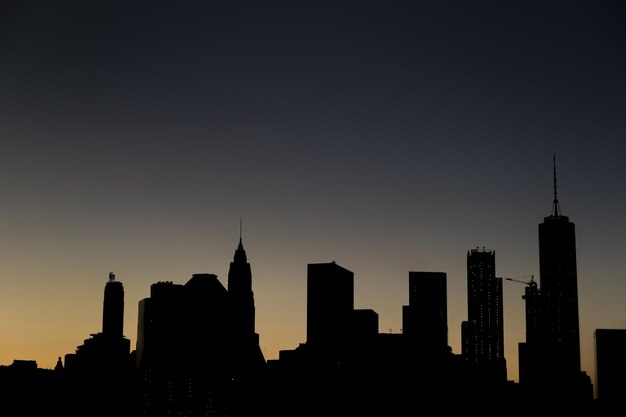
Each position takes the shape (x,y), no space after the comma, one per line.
(532,283)
(532,291)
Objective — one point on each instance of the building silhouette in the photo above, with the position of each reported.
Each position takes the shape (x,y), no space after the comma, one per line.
(314,375)
(348,367)
(554,359)
(527,355)
(197,354)
(426,316)
(113,308)
(245,340)
(101,370)
(29,391)
(109,350)
(483,332)
(560,343)
(610,363)
(330,304)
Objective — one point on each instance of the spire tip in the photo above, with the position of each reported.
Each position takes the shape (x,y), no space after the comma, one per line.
(555,202)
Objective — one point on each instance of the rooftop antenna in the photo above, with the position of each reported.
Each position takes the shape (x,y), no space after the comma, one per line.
(555,202)
(240,227)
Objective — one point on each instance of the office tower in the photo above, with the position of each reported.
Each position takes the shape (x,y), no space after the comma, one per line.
(483,332)
(113,308)
(610,363)
(426,316)
(559,347)
(330,304)
(183,347)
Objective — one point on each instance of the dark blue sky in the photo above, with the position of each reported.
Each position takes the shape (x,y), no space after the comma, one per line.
(388,136)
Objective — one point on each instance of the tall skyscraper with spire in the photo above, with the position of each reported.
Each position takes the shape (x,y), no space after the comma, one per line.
(242,313)
(240,291)
(559,344)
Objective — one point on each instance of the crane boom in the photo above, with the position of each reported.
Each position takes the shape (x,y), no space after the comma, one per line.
(532,281)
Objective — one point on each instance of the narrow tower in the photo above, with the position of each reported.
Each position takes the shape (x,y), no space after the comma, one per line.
(113,308)
(245,341)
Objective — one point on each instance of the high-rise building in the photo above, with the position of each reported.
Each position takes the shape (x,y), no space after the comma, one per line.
(426,317)
(240,292)
(483,332)
(109,350)
(559,345)
(113,308)
(101,371)
(330,304)
(242,315)
(550,359)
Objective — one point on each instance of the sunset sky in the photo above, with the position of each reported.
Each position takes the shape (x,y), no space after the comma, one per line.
(386,136)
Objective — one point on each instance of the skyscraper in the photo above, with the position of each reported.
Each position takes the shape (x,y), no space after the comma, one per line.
(240,292)
(559,344)
(113,308)
(483,332)
(426,316)
(557,352)
(242,315)
(330,303)
(107,351)
(100,371)
(183,347)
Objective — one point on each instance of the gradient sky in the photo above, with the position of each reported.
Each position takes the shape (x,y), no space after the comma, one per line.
(386,136)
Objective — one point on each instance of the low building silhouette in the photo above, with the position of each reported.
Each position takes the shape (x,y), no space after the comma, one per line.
(27,390)
(610,363)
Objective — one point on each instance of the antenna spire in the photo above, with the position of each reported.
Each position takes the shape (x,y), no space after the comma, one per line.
(240,253)
(555,202)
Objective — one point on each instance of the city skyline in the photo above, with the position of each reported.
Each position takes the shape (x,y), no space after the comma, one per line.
(111,277)
(389,139)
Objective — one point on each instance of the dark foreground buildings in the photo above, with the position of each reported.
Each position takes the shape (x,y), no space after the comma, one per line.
(197,349)
(610,362)
(346,367)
